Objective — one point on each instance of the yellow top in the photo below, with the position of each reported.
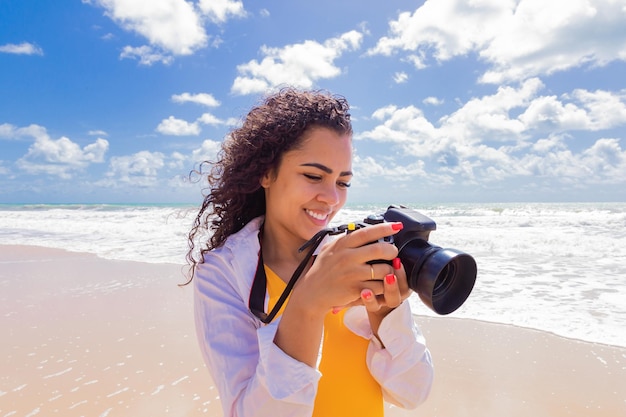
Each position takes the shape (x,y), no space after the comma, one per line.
(346,387)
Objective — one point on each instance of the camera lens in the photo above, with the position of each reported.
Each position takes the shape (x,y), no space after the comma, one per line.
(443,278)
(452,274)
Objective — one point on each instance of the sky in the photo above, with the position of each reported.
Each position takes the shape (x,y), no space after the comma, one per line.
(117,101)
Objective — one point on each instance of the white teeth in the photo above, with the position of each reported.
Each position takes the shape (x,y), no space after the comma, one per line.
(317,216)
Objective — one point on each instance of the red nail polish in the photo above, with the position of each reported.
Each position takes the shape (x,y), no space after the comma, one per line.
(336,310)
(396,263)
(397,226)
(390,278)
(366,294)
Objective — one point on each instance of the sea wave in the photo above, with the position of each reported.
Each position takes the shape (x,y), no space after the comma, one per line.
(559,267)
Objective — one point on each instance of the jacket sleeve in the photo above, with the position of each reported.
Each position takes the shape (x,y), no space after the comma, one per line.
(404,366)
(254,376)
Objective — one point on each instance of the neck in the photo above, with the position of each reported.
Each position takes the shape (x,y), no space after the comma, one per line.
(280,253)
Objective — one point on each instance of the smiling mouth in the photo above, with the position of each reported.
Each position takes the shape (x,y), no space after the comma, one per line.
(317,215)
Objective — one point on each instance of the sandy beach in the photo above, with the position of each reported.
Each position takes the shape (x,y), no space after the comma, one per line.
(83,336)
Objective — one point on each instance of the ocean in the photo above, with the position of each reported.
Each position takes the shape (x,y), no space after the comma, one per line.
(557,267)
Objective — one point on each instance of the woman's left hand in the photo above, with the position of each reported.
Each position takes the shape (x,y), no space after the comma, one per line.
(395,291)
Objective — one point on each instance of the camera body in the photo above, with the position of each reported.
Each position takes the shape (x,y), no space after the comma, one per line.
(442,277)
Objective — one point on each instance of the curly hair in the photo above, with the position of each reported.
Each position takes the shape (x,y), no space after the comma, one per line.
(279,124)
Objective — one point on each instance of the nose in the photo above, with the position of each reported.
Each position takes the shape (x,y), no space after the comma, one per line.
(330,195)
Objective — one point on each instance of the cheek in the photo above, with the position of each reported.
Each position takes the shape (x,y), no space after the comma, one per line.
(344,198)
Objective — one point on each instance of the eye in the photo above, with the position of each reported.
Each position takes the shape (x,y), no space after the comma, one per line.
(313,177)
(344,184)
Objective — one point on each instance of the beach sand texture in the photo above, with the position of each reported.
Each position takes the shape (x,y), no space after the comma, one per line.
(83,336)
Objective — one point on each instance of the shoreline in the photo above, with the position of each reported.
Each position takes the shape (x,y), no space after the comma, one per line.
(25,251)
(90,336)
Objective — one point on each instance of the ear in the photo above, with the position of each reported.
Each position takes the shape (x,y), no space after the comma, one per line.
(266,179)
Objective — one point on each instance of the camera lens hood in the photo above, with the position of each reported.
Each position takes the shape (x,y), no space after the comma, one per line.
(446,279)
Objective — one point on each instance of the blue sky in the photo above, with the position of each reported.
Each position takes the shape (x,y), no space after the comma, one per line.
(452,101)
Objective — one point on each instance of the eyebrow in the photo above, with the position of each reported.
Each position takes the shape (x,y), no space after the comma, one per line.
(326,169)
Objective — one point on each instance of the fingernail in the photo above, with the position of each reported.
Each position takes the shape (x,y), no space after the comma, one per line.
(336,310)
(397,226)
(396,263)
(366,294)
(390,278)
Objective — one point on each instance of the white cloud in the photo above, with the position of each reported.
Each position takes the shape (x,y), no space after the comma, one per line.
(603,162)
(446,27)
(204,99)
(605,108)
(500,136)
(517,38)
(400,77)
(581,110)
(58,157)
(433,101)
(218,11)
(178,127)
(549,113)
(140,169)
(170,26)
(489,117)
(146,55)
(206,152)
(9,131)
(97,133)
(177,161)
(209,119)
(24,48)
(369,167)
(298,64)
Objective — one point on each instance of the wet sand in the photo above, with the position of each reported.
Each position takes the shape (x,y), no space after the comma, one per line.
(82,336)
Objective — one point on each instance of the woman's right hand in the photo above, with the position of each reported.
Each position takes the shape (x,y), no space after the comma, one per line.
(341,270)
(336,278)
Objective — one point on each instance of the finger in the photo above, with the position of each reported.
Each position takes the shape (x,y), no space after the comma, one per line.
(373,233)
(401,277)
(378,270)
(369,300)
(375,254)
(337,309)
(376,286)
(393,296)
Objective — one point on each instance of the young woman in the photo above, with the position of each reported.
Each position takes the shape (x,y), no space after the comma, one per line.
(344,339)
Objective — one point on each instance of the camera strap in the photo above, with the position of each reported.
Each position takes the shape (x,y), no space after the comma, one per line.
(256,303)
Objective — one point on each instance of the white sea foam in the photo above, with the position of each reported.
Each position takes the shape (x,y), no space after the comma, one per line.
(58,373)
(77,404)
(559,267)
(157,390)
(179,380)
(106,412)
(34,412)
(120,391)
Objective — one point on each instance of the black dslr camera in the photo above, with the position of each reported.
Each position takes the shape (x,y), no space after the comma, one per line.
(443,278)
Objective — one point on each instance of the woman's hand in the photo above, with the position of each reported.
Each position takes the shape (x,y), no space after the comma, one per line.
(337,279)
(341,272)
(395,291)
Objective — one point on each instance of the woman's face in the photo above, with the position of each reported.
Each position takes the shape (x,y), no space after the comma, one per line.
(310,185)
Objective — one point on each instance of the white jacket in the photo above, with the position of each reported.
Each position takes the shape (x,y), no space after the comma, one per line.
(254,376)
